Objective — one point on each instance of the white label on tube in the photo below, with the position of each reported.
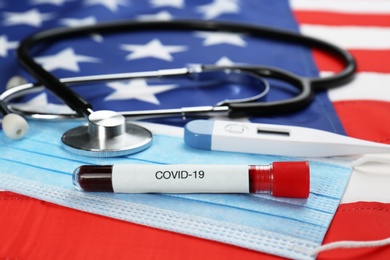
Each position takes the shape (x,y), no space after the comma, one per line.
(185,178)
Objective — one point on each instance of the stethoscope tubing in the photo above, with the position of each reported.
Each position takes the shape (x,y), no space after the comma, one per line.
(307,85)
(191,73)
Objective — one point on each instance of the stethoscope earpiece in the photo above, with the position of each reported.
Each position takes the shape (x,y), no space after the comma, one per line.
(15,126)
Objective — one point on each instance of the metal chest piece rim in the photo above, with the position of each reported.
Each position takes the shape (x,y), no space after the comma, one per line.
(107,134)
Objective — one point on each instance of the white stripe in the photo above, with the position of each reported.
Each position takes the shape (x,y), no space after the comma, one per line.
(368,181)
(350,37)
(343,6)
(365,86)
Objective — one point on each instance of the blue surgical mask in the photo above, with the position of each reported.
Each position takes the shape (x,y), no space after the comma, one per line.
(39,167)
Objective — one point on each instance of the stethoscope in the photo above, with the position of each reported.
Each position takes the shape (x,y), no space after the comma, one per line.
(107,133)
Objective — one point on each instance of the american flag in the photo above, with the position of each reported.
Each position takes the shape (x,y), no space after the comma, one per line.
(358,109)
(362,27)
(143,51)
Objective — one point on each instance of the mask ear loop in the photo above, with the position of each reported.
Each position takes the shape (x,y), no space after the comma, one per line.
(380,158)
(357,244)
(350,244)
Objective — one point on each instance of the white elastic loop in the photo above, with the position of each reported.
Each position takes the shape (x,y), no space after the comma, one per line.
(351,244)
(371,158)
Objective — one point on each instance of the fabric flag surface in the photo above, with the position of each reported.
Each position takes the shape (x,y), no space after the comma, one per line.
(362,27)
(358,109)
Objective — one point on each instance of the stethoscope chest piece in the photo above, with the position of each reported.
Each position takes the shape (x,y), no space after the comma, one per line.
(106,135)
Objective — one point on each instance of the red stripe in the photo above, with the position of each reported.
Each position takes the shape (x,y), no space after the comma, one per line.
(331,18)
(365,119)
(367,60)
(325,62)
(359,221)
(372,60)
(33,229)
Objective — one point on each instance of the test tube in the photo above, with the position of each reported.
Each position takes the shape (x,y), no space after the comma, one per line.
(280,179)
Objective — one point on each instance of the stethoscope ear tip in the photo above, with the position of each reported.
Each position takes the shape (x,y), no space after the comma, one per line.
(14,126)
(15,81)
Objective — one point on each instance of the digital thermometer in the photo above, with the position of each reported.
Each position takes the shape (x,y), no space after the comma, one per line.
(274,140)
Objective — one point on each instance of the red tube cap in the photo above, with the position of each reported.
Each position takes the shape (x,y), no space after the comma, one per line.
(291,179)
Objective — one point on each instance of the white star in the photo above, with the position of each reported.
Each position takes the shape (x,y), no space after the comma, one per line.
(41,104)
(113,5)
(53,2)
(214,38)
(90,20)
(74,22)
(224,61)
(137,89)
(218,7)
(5,45)
(32,17)
(153,49)
(161,16)
(65,59)
(163,3)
